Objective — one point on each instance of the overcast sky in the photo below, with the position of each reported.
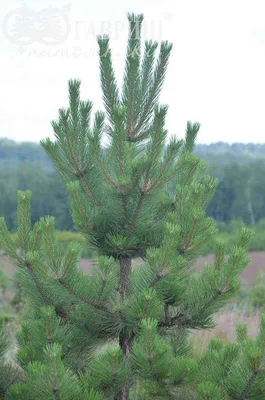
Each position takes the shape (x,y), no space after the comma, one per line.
(216,74)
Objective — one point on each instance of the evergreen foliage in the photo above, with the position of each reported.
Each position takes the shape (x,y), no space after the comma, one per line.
(234,370)
(10,373)
(122,332)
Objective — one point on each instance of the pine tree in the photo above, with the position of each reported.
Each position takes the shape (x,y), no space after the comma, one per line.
(10,373)
(122,331)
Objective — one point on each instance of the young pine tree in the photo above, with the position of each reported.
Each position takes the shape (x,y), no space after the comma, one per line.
(121,332)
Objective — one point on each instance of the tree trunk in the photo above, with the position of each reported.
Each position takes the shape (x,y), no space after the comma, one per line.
(124,338)
(125,277)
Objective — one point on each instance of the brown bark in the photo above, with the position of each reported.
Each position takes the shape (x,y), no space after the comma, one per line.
(124,337)
(125,277)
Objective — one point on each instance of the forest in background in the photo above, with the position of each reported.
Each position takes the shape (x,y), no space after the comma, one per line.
(239,167)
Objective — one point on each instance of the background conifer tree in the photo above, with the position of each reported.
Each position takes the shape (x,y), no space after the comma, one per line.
(122,332)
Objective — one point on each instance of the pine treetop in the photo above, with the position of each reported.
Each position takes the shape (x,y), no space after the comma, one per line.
(119,194)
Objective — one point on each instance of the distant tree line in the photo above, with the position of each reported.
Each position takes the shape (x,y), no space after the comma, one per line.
(240,169)
(241,192)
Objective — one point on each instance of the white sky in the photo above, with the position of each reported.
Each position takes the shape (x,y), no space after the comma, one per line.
(216,74)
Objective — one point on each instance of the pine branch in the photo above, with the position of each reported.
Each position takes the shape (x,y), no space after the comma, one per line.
(147,66)
(136,214)
(190,237)
(74,191)
(85,114)
(130,97)
(67,138)
(71,260)
(108,80)
(102,166)
(89,302)
(190,137)
(38,284)
(158,277)
(88,192)
(156,85)
(167,251)
(178,168)
(159,119)
(119,143)
(157,138)
(74,102)
(250,382)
